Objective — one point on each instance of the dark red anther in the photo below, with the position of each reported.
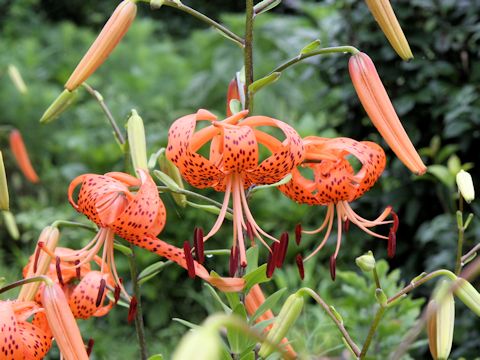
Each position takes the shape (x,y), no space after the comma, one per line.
(37,255)
(282,250)
(189,259)
(392,243)
(271,261)
(101,291)
(59,270)
(132,310)
(198,243)
(301,269)
(116,294)
(234,259)
(333,267)
(396,221)
(77,269)
(90,344)
(346,225)
(250,233)
(298,233)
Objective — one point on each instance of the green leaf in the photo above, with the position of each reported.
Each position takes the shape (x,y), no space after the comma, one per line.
(265,5)
(285,180)
(156,357)
(218,299)
(233,299)
(236,338)
(186,323)
(441,173)
(252,259)
(123,249)
(151,271)
(454,165)
(268,304)
(310,47)
(209,208)
(257,276)
(261,83)
(248,356)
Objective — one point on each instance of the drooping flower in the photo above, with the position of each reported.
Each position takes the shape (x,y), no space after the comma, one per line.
(107,40)
(377,104)
(233,164)
(19,151)
(335,184)
(19,338)
(136,216)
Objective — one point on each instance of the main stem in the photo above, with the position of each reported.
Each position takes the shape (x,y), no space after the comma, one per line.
(248,53)
(139,314)
(371,332)
(461,233)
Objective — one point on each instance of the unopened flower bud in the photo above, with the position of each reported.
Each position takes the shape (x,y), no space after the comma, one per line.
(468,295)
(381,297)
(58,106)
(465,185)
(202,343)
(19,151)
(4,198)
(441,318)
(136,141)
(366,262)
(172,171)
(10,224)
(17,79)
(286,318)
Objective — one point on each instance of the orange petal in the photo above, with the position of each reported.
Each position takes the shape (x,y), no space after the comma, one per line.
(20,153)
(107,40)
(379,108)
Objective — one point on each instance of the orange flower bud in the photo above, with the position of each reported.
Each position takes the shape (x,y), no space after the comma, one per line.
(62,323)
(19,151)
(379,108)
(383,12)
(232,94)
(109,37)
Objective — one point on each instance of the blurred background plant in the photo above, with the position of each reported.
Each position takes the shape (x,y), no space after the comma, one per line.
(169,65)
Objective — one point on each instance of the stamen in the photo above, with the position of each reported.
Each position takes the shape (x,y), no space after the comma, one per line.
(346,225)
(301,269)
(198,243)
(250,234)
(101,291)
(234,258)
(392,243)
(116,294)
(271,261)
(189,259)
(59,270)
(77,269)
(396,221)
(298,233)
(132,310)
(90,344)
(37,254)
(333,265)
(282,250)
(41,246)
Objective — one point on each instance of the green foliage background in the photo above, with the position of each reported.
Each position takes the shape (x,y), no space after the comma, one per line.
(169,65)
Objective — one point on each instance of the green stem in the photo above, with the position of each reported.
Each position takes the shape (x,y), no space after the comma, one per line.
(324,51)
(22,282)
(139,315)
(337,322)
(118,134)
(461,233)
(71,224)
(248,53)
(376,278)
(371,332)
(227,32)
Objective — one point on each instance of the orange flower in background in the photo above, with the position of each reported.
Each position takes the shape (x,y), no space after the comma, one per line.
(233,164)
(377,104)
(19,151)
(107,40)
(136,216)
(336,184)
(253,300)
(20,339)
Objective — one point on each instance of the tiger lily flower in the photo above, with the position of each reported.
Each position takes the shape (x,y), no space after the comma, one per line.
(383,13)
(335,184)
(111,34)
(233,164)
(377,104)
(19,151)
(62,323)
(137,217)
(21,339)
(85,289)
(253,300)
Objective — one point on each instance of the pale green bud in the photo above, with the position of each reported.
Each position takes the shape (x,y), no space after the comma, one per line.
(136,141)
(4,199)
(465,185)
(59,105)
(468,295)
(10,224)
(366,262)
(202,343)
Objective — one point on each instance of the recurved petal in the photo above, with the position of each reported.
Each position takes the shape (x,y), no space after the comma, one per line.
(240,149)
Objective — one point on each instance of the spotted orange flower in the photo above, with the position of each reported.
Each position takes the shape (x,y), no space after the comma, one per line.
(85,289)
(136,216)
(19,338)
(335,184)
(233,164)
